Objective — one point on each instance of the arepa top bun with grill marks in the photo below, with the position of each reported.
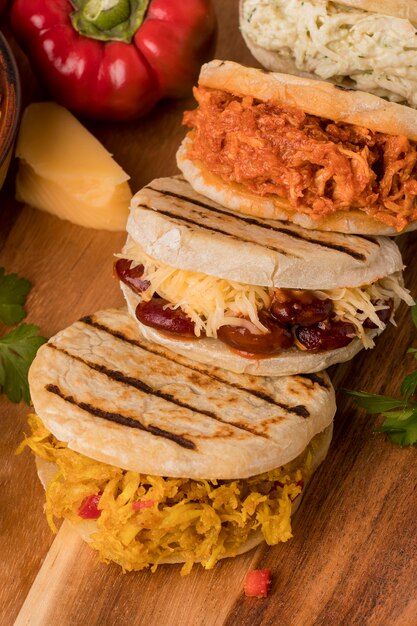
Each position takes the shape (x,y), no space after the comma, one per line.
(222,268)
(167,445)
(367,45)
(291,148)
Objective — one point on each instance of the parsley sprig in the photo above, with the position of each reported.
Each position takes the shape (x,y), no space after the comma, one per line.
(13,292)
(400,414)
(19,346)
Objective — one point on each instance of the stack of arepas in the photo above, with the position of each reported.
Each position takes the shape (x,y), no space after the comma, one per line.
(185,429)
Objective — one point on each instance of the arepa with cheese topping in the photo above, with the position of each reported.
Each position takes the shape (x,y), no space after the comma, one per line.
(250,294)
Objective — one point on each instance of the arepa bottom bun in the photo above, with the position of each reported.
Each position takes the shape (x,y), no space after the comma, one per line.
(188,538)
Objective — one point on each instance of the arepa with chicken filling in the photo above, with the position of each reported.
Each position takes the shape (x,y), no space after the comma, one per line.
(158,459)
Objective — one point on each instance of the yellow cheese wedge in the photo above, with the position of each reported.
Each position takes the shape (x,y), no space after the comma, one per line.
(66,171)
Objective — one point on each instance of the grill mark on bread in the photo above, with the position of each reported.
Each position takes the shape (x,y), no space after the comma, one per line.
(255,222)
(188,220)
(298,409)
(140,385)
(203,205)
(123,420)
(325,244)
(315,379)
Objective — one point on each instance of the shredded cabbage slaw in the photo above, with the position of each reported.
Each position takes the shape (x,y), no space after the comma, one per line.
(377,52)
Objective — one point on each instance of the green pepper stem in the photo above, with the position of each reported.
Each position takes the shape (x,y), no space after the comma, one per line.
(108,20)
(106,15)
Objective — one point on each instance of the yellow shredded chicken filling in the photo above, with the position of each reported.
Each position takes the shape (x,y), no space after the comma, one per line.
(189,520)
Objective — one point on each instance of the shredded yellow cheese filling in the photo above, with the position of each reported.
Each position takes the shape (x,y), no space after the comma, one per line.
(212,302)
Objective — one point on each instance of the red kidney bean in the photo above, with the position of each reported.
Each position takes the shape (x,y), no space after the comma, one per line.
(276,339)
(173,321)
(384,314)
(327,335)
(131,276)
(292,306)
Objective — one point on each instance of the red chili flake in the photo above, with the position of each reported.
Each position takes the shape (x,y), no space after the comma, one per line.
(142,504)
(257,583)
(89,507)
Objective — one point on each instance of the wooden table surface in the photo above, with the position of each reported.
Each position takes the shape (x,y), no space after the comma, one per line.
(352,559)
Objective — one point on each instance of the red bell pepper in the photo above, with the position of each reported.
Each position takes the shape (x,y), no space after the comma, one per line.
(142,504)
(115,59)
(89,507)
(257,583)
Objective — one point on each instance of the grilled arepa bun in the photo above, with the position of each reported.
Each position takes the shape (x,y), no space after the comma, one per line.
(221,269)
(153,448)
(291,148)
(365,44)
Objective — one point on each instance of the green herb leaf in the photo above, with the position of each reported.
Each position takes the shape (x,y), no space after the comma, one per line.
(13,292)
(374,403)
(401,431)
(409,384)
(400,422)
(17,351)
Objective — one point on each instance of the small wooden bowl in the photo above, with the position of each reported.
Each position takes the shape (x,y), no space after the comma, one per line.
(10,103)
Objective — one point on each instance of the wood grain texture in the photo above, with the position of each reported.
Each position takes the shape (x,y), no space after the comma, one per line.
(352,558)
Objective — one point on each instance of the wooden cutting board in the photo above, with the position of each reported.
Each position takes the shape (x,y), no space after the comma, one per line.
(352,559)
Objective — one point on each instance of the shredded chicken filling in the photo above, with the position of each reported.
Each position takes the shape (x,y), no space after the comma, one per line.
(319,165)
(189,520)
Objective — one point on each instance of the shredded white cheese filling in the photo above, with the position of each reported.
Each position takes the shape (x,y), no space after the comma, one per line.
(377,52)
(213,302)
